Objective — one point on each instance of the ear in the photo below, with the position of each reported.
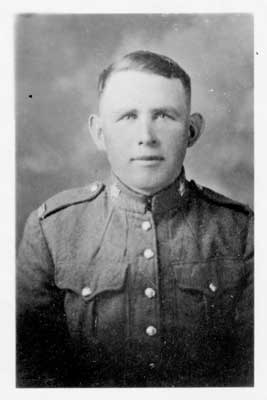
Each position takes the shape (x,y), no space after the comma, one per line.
(96,131)
(195,129)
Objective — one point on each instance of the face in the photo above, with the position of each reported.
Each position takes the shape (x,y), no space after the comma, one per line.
(143,126)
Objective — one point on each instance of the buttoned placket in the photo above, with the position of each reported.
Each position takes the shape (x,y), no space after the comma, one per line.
(144,332)
(144,289)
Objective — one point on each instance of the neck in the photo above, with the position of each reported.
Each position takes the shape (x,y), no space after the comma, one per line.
(131,199)
(146,193)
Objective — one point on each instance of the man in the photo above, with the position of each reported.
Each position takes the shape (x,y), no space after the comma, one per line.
(148,279)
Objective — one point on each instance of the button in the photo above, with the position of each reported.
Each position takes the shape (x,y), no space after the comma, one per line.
(94,187)
(148,253)
(146,225)
(151,331)
(86,291)
(149,292)
(212,287)
(152,365)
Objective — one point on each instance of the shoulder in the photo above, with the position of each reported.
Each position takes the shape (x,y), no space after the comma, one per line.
(227,219)
(70,197)
(210,196)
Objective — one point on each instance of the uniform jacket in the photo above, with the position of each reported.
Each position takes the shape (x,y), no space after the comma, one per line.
(119,289)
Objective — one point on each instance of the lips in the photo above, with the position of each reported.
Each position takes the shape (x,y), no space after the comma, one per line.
(147,158)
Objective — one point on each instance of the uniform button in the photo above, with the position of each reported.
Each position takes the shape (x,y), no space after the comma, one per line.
(94,187)
(86,291)
(152,365)
(149,292)
(148,253)
(212,287)
(146,225)
(151,331)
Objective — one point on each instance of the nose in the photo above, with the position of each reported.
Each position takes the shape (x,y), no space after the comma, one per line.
(146,133)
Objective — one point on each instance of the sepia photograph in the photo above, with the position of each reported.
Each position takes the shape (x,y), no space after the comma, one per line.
(134,200)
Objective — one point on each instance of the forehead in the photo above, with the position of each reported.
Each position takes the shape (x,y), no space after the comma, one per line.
(141,89)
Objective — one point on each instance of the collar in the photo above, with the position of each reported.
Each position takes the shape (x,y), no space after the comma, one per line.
(162,201)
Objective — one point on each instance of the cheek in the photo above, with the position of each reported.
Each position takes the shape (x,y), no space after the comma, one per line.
(116,146)
(174,140)
(114,134)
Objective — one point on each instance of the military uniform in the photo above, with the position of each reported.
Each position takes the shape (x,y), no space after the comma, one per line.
(119,289)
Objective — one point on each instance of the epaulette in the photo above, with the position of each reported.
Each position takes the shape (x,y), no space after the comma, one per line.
(220,199)
(68,198)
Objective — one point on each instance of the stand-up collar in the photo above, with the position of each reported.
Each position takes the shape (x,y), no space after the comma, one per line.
(165,200)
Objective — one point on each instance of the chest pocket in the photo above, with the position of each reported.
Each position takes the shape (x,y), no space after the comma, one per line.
(207,292)
(86,288)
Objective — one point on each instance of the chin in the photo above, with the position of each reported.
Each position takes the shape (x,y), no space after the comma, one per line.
(148,188)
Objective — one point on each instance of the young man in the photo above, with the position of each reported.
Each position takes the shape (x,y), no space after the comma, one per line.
(148,279)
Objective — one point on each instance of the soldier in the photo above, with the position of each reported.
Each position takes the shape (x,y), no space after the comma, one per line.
(146,280)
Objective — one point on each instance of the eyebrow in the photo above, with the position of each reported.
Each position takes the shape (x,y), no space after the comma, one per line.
(124,111)
(167,109)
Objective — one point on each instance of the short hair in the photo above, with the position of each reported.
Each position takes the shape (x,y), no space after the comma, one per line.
(147,61)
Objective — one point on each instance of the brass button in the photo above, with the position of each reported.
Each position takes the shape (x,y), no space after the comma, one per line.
(86,291)
(149,292)
(152,365)
(94,187)
(146,225)
(148,253)
(212,287)
(151,331)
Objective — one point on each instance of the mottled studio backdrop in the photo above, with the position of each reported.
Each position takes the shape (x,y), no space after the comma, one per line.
(58,59)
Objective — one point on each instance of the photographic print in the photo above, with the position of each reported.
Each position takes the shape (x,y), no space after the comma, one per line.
(134,193)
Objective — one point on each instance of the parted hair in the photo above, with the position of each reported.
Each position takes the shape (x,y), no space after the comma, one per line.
(146,61)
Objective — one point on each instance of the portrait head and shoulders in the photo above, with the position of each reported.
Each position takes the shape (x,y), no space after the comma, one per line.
(154,271)
(145,127)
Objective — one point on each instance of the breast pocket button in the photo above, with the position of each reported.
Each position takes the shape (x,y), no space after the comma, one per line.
(212,287)
(86,291)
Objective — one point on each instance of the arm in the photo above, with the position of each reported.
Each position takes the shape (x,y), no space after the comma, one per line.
(41,329)
(243,373)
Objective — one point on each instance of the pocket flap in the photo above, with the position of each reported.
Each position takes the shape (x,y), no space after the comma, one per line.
(209,276)
(196,276)
(91,280)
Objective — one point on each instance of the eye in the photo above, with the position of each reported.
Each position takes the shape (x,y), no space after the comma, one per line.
(162,115)
(128,116)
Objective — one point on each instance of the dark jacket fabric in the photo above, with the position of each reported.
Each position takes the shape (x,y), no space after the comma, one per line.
(121,290)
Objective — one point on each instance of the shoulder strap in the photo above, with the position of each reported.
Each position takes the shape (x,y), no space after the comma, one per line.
(68,198)
(220,199)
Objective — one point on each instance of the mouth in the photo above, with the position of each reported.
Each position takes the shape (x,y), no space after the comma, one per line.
(147,160)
